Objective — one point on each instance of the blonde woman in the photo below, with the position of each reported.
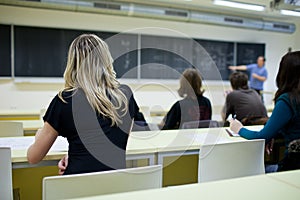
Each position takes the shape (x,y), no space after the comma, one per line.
(92,111)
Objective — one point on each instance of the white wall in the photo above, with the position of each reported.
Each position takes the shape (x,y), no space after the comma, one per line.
(33,96)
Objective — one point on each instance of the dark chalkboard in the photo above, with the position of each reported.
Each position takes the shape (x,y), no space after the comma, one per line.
(5,51)
(124,50)
(247,53)
(42,52)
(168,57)
(164,57)
(213,58)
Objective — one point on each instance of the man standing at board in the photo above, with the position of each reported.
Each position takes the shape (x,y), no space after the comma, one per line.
(258,73)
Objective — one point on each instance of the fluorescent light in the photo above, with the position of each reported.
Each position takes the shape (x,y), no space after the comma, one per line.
(239,5)
(290,12)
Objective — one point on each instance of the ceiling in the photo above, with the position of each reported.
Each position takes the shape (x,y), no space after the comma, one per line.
(207,5)
(269,13)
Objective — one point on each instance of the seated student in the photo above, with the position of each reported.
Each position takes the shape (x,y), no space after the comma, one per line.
(285,118)
(193,107)
(94,112)
(242,101)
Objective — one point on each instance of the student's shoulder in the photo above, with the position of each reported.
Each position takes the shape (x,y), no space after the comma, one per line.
(126,90)
(252,65)
(124,87)
(206,98)
(284,97)
(235,93)
(64,97)
(203,99)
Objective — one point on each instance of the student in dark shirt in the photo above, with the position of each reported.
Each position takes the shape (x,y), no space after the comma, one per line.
(242,101)
(93,111)
(193,107)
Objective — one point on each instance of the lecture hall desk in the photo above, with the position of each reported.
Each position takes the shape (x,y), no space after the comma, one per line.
(177,150)
(23,171)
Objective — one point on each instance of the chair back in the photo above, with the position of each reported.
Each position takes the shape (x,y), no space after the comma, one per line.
(11,129)
(144,126)
(254,120)
(6,191)
(231,160)
(200,124)
(106,182)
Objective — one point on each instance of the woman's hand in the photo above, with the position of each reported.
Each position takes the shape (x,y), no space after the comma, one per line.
(269,147)
(62,164)
(235,125)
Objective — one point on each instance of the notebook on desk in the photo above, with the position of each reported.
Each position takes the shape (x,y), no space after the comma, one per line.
(231,133)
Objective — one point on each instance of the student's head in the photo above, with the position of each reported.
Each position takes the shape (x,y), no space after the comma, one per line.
(261,61)
(89,63)
(89,67)
(190,83)
(288,77)
(239,80)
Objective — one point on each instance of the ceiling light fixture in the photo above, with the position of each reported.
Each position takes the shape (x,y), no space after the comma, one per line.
(290,12)
(234,4)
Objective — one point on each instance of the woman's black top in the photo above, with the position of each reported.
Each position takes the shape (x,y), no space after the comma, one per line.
(94,145)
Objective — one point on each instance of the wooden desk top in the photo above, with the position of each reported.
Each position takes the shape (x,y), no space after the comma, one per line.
(246,188)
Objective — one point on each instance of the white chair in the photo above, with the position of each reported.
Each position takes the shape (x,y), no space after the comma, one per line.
(97,183)
(11,129)
(6,191)
(143,126)
(231,160)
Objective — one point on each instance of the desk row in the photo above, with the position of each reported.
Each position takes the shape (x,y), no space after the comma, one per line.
(145,144)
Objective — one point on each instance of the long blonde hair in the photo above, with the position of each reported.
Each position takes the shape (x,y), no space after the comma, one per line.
(89,67)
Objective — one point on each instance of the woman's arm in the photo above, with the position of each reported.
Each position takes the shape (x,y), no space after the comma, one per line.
(258,77)
(281,115)
(44,139)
